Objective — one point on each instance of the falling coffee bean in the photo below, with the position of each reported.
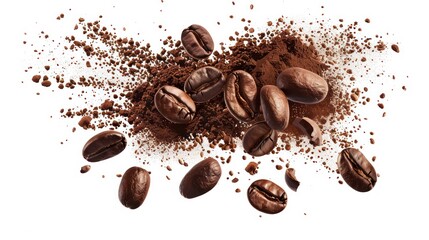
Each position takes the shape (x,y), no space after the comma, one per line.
(134,187)
(309,127)
(302,86)
(104,145)
(266,196)
(259,139)
(197,41)
(356,170)
(204,83)
(175,105)
(291,180)
(275,107)
(201,178)
(241,95)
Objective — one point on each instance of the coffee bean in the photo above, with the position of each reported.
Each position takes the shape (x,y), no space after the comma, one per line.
(134,187)
(104,145)
(302,86)
(205,83)
(175,105)
(356,170)
(241,95)
(266,196)
(275,107)
(291,180)
(309,127)
(197,41)
(259,139)
(201,178)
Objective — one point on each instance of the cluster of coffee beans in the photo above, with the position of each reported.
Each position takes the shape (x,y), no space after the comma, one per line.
(267,108)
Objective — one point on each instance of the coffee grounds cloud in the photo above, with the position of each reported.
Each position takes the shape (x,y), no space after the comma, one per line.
(262,54)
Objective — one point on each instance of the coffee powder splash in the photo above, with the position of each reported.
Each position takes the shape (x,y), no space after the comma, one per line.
(133,72)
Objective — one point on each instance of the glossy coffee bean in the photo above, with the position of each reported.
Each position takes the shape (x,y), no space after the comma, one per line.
(266,196)
(134,187)
(204,84)
(201,178)
(197,41)
(104,145)
(259,139)
(275,107)
(356,170)
(302,86)
(291,180)
(175,105)
(241,95)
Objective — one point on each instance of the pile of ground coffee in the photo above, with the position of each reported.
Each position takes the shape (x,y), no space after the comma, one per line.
(133,72)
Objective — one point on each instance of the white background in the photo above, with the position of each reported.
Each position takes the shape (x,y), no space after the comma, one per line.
(43,195)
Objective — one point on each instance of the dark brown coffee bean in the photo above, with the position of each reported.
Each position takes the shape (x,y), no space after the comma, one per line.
(201,178)
(291,180)
(134,187)
(104,145)
(309,127)
(175,105)
(205,83)
(197,41)
(241,95)
(259,139)
(275,107)
(266,196)
(302,86)
(356,170)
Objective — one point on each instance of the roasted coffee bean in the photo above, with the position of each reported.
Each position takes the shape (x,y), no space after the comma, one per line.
(204,84)
(302,86)
(201,178)
(197,41)
(241,95)
(266,196)
(134,187)
(275,107)
(259,139)
(104,145)
(356,170)
(175,105)
(309,127)
(291,180)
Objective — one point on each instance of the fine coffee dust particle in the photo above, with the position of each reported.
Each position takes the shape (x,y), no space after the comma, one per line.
(133,72)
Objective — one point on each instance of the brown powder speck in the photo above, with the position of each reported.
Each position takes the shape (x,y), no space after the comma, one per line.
(46,83)
(36,78)
(380,105)
(252,168)
(85,122)
(237,190)
(395,48)
(47,67)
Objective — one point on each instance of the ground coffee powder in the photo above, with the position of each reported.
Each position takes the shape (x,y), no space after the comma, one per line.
(133,72)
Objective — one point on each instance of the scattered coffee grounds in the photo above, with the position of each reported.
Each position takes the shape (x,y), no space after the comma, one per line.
(118,78)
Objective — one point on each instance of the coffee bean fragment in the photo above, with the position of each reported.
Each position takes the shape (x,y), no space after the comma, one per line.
(266,196)
(275,107)
(241,95)
(310,128)
(259,139)
(197,41)
(356,170)
(204,84)
(85,168)
(104,145)
(252,168)
(302,86)
(201,178)
(395,48)
(134,187)
(175,105)
(291,180)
